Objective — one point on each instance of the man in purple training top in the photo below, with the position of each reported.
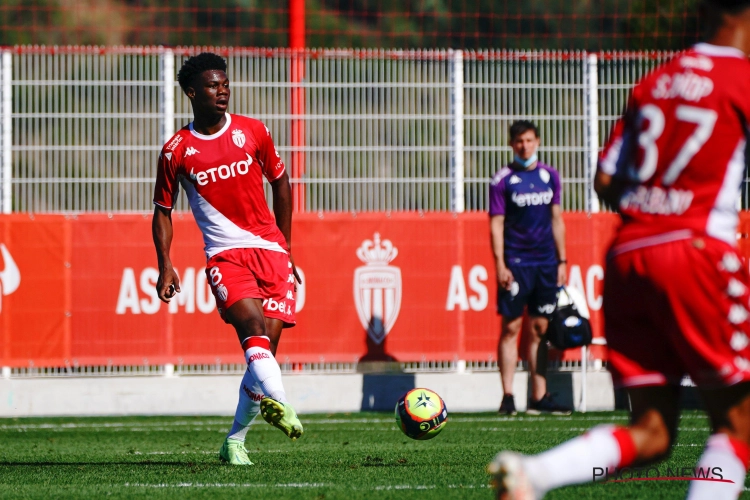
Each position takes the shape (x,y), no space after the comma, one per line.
(528,240)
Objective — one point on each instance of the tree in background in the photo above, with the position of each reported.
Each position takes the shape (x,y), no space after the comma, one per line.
(467,24)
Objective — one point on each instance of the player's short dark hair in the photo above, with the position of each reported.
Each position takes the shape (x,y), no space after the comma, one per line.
(729,6)
(194,66)
(711,13)
(519,127)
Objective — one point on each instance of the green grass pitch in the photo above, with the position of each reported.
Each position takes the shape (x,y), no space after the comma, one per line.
(341,456)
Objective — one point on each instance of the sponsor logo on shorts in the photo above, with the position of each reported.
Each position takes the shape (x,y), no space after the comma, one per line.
(514,288)
(222,293)
(281,306)
(257,356)
(252,395)
(547,309)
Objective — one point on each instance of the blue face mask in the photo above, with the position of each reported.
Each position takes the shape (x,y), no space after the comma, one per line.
(525,163)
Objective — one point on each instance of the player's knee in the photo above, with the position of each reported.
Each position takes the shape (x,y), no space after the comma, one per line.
(250,327)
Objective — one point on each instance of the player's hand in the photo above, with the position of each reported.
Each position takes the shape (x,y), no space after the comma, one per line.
(504,278)
(168,284)
(562,273)
(297,279)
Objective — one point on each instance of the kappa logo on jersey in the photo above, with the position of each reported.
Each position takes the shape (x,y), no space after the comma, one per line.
(10,277)
(238,138)
(377,287)
(514,179)
(222,172)
(532,199)
(191,151)
(175,142)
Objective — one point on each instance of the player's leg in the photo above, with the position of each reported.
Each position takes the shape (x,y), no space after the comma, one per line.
(542,302)
(650,375)
(250,394)
(727,450)
(710,305)
(279,413)
(510,305)
(603,448)
(507,355)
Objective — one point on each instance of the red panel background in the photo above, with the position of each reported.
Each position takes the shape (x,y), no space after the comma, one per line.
(86,294)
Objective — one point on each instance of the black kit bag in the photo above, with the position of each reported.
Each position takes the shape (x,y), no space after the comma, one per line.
(567,328)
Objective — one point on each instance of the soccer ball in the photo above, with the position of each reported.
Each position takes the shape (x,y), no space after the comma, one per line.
(421,414)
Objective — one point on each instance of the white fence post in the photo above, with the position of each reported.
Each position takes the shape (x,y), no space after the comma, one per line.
(7,139)
(592,102)
(457,165)
(167,101)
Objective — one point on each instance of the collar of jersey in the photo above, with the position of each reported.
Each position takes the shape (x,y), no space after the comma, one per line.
(212,136)
(708,49)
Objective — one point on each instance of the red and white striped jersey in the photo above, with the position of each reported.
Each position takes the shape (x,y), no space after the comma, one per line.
(222,175)
(680,148)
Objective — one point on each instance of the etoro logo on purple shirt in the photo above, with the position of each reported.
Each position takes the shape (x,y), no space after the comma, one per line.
(525,198)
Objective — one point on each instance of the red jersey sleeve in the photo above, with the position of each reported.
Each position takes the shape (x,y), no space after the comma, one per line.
(167,186)
(273,165)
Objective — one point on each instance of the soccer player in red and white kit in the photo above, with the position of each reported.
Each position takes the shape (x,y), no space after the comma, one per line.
(676,291)
(220,160)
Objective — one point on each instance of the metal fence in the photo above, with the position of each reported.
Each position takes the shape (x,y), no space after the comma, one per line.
(381,129)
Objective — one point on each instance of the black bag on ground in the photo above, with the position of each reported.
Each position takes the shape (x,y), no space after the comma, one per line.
(567,328)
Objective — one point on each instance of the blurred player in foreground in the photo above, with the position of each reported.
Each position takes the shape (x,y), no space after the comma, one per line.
(220,159)
(675,291)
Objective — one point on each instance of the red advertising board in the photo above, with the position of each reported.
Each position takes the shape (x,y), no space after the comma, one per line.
(79,290)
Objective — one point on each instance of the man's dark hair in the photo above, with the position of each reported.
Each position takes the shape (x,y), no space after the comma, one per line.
(711,14)
(519,127)
(194,66)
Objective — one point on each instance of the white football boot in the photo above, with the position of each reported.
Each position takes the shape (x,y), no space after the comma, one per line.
(509,479)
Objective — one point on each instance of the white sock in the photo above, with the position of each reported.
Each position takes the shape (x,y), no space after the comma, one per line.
(580,460)
(248,407)
(723,458)
(263,366)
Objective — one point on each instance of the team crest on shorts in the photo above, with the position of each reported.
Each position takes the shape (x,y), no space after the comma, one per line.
(221,292)
(238,137)
(377,287)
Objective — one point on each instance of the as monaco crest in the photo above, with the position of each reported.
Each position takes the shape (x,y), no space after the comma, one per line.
(238,137)
(377,287)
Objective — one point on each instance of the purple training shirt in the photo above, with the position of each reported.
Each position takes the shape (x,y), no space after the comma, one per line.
(525,198)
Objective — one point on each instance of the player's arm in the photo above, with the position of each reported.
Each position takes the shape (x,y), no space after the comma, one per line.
(168,283)
(165,193)
(497,237)
(282,210)
(558,233)
(611,177)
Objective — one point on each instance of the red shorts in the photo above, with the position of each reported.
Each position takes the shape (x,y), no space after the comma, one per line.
(253,273)
(678,308)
